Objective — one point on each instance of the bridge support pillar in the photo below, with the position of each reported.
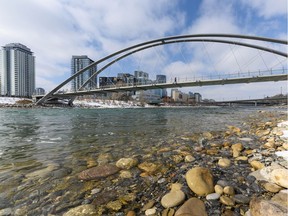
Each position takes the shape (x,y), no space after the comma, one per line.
(255,103)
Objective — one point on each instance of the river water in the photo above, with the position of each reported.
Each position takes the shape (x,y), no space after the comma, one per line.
(37,142)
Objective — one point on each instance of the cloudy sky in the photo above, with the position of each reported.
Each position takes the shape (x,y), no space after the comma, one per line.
(57,29)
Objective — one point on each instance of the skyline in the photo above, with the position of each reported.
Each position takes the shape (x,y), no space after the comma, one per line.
(57,29)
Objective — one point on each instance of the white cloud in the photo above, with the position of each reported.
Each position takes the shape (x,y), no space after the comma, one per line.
(268,8)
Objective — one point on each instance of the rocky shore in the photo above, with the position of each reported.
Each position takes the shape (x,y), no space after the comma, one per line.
(239,171)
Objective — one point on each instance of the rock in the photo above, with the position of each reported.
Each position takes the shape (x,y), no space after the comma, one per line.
(222,183)
(104,158)
(261,207)
(148,167)
(148,205)
(227,201)
(213,196)
(257,165)
(98,172)
(212,151)
(200,181)
(265,173)
(218,189)
(174,198)
(83,210)
(125,174)
(242,199)
(131,213)
(224,162)
(168,212)
(126,163)
(192,207)
(281,198)
(237,148)
(271,187)
(241,158)
(6,212)
(189,158)
(114,205)
(150,212)
(280,177)
(229,190)
(177,158)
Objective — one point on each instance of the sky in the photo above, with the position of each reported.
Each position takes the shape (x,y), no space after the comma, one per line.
(55,30)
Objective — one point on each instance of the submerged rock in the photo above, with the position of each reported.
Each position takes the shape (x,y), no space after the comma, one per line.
(98,172)
(83,210)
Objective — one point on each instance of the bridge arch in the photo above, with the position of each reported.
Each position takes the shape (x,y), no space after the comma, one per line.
(170,40)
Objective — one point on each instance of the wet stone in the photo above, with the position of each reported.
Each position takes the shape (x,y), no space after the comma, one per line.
(98,172)
(242,199)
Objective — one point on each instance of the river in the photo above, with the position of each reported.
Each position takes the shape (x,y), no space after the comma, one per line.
(36,143)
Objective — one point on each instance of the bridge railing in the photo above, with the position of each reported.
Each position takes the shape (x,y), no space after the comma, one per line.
(248,74)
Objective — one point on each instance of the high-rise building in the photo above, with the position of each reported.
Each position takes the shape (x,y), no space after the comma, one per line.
(79,63)
(17,70)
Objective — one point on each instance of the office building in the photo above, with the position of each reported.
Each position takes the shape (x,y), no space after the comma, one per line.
(78,63)
(17,70)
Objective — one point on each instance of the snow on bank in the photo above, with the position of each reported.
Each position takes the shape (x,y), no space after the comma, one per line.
(10,100)
(105,104)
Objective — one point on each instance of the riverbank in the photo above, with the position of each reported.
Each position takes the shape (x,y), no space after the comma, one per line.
(222,172)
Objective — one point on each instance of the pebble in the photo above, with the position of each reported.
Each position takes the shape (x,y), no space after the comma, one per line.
(218,189)
(237,148)
(213,196)
(224,162)
(148,167)
(229,190)
(126,163)
(6,212)
(189,158)
(222,183)
(192,206)
(242,199)
(174,198)
(227,201)
(257,164)
(281,198)
(150,212)
(200,180)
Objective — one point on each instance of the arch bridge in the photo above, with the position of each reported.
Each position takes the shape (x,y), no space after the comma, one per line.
(249,77)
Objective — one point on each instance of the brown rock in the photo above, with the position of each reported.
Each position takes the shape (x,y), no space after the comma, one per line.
(218,189)
(229,190)
(192,207)
(257,164)
(237,148)
(200,180)
(271,187)
(224,162)
(126,163)
(227,201)
(148,167)
(98,172)
(261,207)
(131,213)
(280,177)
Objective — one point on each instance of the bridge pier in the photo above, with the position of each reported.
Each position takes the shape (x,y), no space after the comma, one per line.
(255,103)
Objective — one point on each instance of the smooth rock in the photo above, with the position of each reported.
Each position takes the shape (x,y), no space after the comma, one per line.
(189,158)
(114,205)
(242,199)
(227,201)
(104,158)
(148,167)
(218,189)
(261,207)
(281,198)
(271,187)
(125,174)
(131,213)
(174,198)
(192,207)
(150,212)
(229,190)
(280,177)
(6,212)
(213,196)
(265,173)
(224,162)
(83,210)
(257,165)
(200,180)
(222,183)
(126,163)
(98,172)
